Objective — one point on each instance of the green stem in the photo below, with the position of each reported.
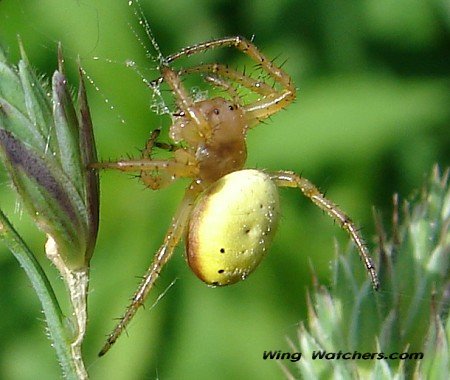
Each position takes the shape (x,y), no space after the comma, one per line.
(77,282)
(52,310)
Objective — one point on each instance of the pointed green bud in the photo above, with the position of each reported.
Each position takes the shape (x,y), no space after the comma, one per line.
(46,144)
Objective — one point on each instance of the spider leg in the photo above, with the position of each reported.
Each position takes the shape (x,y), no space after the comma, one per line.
(246,47)
(290,179)
(178,169)
(172,238)
(154,173)
(166,146)
(185,103)
(226,85)
(147,152)
(157,178)
(151,143)
(252,84)
(271,103)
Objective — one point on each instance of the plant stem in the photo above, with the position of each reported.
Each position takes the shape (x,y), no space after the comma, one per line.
(55,319)
(77,282)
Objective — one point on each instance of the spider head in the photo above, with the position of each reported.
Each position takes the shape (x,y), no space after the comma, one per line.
(224,149)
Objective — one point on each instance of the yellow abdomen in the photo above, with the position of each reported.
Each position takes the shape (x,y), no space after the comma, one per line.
(232,226)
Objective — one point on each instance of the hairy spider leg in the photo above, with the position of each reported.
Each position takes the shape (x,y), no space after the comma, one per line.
(154,173)
(217,81)
(171,240)
(254,85)
(156,179)
(185,103)
(177,169)
(222,73)
(290,179)
(164,171)
(151,143)
(222,76)
(269,104)
(147,152)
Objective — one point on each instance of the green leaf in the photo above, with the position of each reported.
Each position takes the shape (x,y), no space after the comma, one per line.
(55,319)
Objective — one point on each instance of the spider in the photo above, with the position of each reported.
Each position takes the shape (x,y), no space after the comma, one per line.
(228,215)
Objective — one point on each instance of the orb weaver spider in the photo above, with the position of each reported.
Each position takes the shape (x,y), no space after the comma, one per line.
(228,215)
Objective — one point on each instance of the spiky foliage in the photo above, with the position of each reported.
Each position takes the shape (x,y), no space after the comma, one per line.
(46,143)
(408,315)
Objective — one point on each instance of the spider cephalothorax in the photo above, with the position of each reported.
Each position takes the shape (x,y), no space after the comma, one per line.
(220,147)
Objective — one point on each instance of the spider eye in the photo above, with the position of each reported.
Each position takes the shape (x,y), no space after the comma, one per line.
(216,111)
(232,226)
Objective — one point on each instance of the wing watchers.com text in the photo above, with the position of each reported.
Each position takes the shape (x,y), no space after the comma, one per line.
(342,355)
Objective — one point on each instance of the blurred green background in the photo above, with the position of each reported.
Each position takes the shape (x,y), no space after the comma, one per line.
(371,118)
